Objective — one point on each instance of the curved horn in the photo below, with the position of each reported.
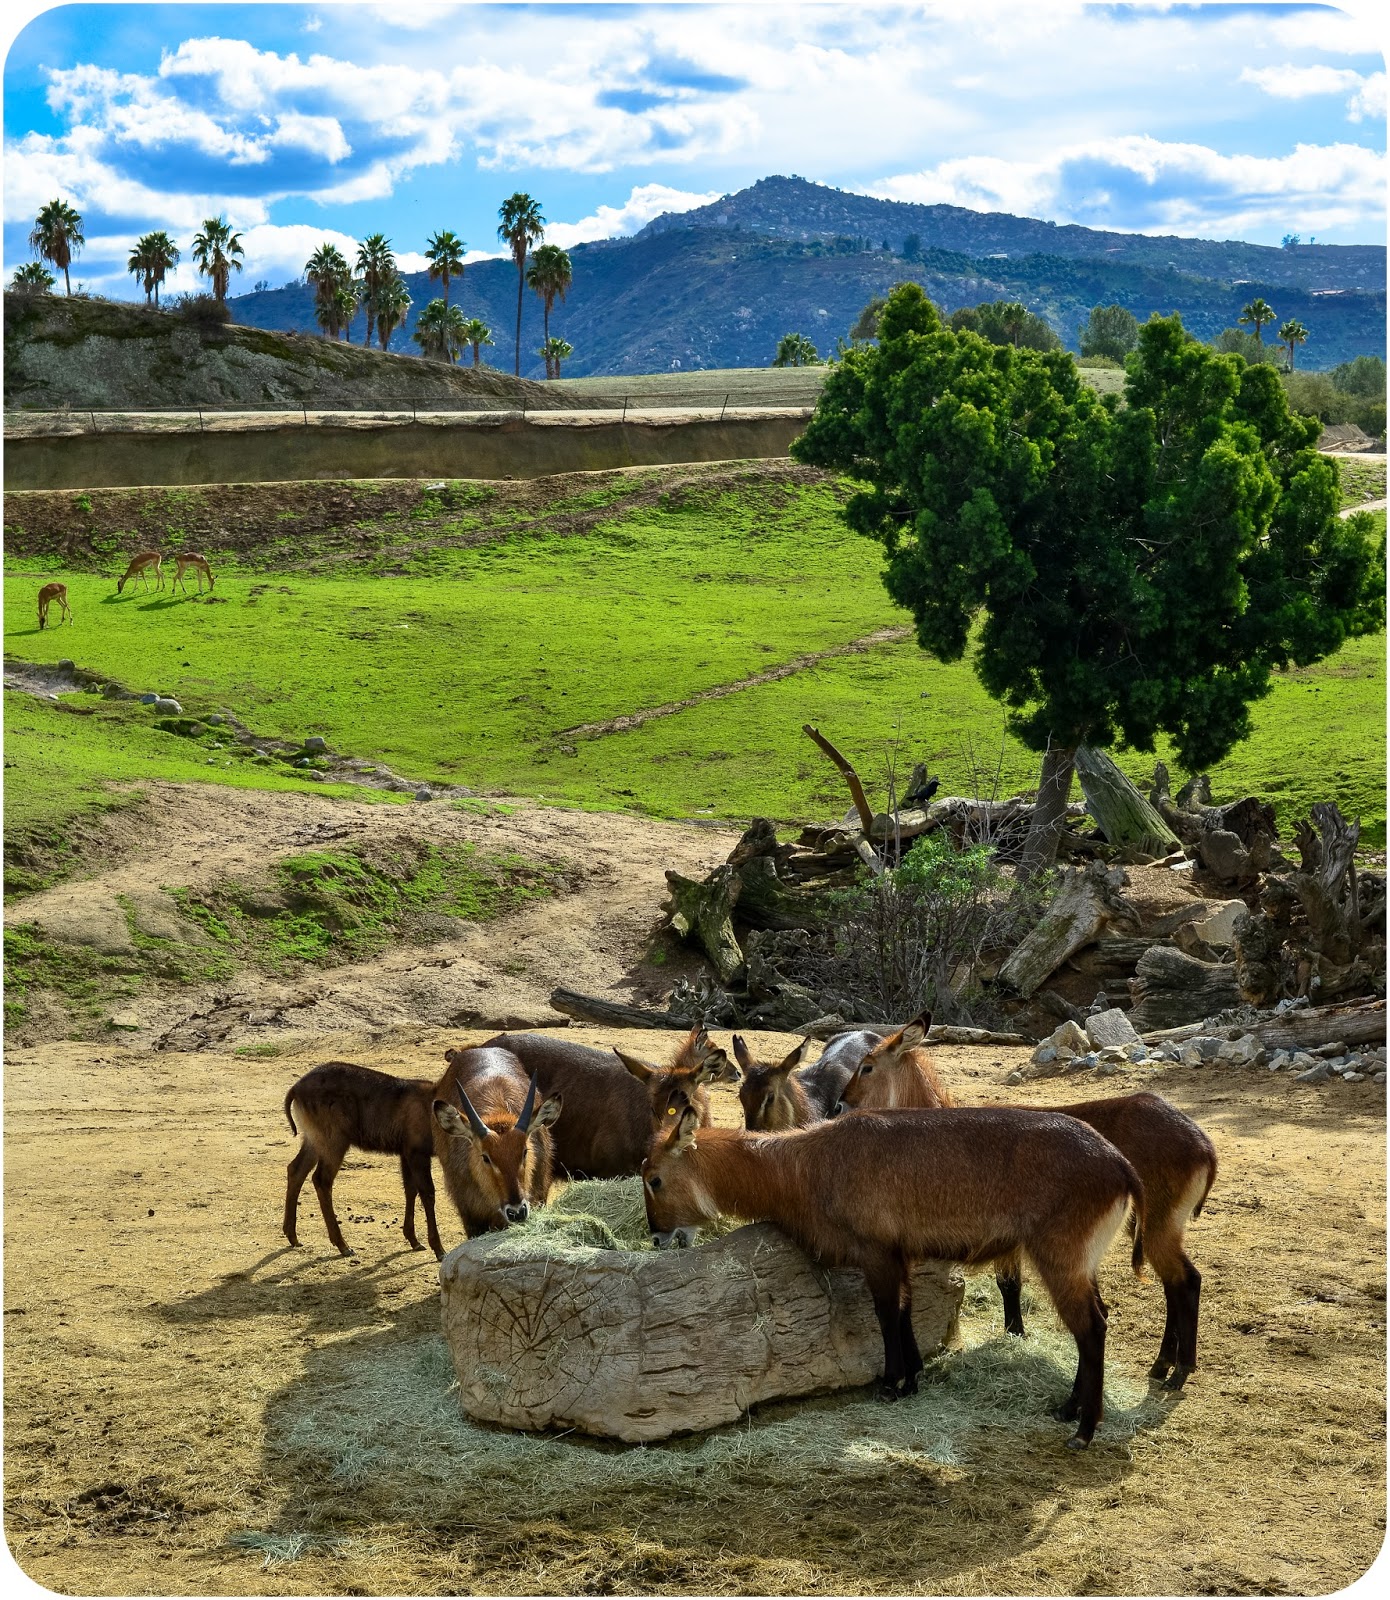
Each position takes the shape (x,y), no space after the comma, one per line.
(523,1122)
(475,1121)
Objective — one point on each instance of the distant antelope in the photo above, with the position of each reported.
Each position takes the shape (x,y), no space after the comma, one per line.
(139,567)
(897,1073)
(882,1190)
(47,595)
(1174,1158)
(201,570)
(789,1095)
(491,1139)
(611,1107)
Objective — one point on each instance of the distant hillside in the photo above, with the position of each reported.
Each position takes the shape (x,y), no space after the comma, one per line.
(708,293)
(106,354)
(792,208)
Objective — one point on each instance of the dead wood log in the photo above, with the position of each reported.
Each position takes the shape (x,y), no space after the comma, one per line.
(1088,899)
(851,777)
(764,901)
(1111,958)
(1362,1022)
(1124,816)
(591,1008)
(1326,883)
(1169,989)
(704,912)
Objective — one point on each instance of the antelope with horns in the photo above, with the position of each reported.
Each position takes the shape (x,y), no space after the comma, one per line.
(1176,1163)
(897,1074)
(140,567)
(612,1106)
(492,1138)
(790,1095)
(47,595)
(883,1190)
(340,1106)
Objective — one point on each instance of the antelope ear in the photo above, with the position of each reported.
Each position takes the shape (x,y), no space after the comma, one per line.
(548,1112)
(451,1120)
(745,1056)
(916,1031)
(450,1056)
(637,1067)
(796,1057)
(716,1068)
(686,1129)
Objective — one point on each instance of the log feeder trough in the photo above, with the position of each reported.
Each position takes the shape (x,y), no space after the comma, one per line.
(642,1344)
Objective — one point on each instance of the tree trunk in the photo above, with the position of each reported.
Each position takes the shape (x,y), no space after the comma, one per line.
(1124,815)
(1170,989)
(1050,811)
(704,912)
(1073,919)
(608,1013)
(520,287)
(1360,1023)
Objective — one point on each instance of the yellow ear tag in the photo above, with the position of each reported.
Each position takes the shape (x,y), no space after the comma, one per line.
(670,1111)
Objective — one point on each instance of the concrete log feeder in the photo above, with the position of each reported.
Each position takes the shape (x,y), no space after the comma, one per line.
(639,1344)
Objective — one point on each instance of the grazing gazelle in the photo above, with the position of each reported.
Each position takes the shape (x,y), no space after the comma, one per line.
(201,569)
(47,595)
(139,567)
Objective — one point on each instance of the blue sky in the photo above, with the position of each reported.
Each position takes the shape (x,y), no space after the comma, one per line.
(303,123)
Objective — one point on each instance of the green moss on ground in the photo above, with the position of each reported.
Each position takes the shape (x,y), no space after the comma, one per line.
(1361,480)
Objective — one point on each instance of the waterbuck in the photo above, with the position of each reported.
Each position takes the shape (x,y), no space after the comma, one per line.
(612,1105)
(789,1095)
(882,1190)
(897,1073)
(492,1138)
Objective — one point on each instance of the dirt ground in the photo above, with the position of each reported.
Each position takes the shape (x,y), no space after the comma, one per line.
(168,1398)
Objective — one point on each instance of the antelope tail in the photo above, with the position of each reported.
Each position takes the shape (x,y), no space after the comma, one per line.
(1136,1195)
(289,1100)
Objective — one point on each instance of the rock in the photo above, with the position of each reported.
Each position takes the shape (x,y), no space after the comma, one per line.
(316,744)
(217,718)
(303,761)
(315,777)
(1112,1052)
(1329,1051)
(639,1345)
(1246,1051)
(148,699)
(1320,1072)
(1070,1040)
(1136,1052)
(1302,1061)
(1219,928)
(1200,1051)
(67,666)
(1045,1054)
(1087,1063)
(1108,1068)
(1111,1027)
(1017,1077)
(423,794)
(1353,1077)
(1378,1077)
(167,707)
(1279,1060)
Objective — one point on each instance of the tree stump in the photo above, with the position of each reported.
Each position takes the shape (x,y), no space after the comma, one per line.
(640,1345)
(704,912)
(1170,989)
(1125,817)
(1084,904)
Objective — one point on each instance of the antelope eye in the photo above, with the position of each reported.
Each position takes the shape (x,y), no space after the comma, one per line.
(653,1183)
(487,1161)
(865,1071)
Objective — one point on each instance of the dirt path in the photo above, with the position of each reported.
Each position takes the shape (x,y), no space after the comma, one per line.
(169,1370)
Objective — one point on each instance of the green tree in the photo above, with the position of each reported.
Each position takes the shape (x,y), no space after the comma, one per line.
(550,277)
(1110,331)
(865,325)
(520,226)
(444,252)
(1257,313)
(1292,334)
(555,350)
(912,247)
(1364,375)
(57,237)
(476,333)
(1237,342)
(1006,322)
(347,297)
(155,255)
(1119,572)
(795,350)
(439,330)
(33,278)
(393,302)
(376,268)
(217,253)
(327,269)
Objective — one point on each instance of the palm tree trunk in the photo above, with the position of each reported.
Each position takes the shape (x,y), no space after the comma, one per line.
(520,287)
(1050,811)
(67,281)
(445,277)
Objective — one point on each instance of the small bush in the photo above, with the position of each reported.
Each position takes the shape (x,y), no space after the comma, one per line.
(204,311)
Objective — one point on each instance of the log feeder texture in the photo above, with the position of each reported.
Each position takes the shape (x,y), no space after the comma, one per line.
(639,1345)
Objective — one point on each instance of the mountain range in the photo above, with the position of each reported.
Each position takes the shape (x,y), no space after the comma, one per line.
(720,285)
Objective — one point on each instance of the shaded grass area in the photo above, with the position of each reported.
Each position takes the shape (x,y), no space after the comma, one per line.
(1361,480)
(474,663)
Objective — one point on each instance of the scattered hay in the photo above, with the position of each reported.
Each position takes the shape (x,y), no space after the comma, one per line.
(609,1213)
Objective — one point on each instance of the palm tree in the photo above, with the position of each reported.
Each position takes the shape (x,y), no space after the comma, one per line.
(1293,333)
(521,226)
(550,277)
(328,271)
(555,351)
(33,278)
(477,333)
(57,236)
(154,256)
(444,252)
(439,330)
(795,350)
(1013,318)
(217,253)
(346,299)
(1258,312)
(377,265)
(393,301)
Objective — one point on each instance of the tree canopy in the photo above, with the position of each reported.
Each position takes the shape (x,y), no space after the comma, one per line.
(1006,322)
(1109,331)
(1123,571)
(57,236)
(795,350)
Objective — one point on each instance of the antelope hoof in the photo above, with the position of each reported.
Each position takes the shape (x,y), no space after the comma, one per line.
(909,1385)
(1076,1442)
(1068,1411)
(1159,1370)
(345,1250)
(886,1392)
(1179,1377)
(413,1243)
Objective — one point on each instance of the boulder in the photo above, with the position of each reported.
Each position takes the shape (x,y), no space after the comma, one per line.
(1070,1039)
(643,1344)
(1219,929)
(167,707)
(1246,1051)
(1111,1027)
(316,744)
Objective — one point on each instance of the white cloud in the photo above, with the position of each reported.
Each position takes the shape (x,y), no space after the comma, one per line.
(646,201)
(1369,99)
(1366,95)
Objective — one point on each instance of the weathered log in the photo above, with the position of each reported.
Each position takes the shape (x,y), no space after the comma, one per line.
(590,1008)
(704,912)
(1326,883)
(1087,900)
(851,777)
(1262,971)
(1305,1028)
(1170,989)
(764,901)
(639,1345)
(1124,816)
(1111,958)
(1049,810)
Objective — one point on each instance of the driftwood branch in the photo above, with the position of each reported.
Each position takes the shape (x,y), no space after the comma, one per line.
(851,777)
(590,1008)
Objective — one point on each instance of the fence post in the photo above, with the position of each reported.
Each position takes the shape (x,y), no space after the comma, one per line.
(93,416)
(624,418)
(200,419)
(724,408)
(306,413)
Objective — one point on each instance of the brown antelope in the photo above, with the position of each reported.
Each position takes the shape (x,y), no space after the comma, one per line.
(897,1074)
(612,1106)
(882,1190)
(200,567)
(47,595)
(491,1139)
(140,566)
(340,1106)
(1176,1163)
(789,1095)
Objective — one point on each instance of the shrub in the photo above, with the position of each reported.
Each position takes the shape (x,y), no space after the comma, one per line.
(204,311)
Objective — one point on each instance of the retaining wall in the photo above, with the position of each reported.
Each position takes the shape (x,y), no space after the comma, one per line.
(439,447)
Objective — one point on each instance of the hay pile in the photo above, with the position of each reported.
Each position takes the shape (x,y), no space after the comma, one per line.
(591,1214)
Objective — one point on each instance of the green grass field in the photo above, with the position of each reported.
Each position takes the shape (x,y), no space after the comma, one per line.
(469,665)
